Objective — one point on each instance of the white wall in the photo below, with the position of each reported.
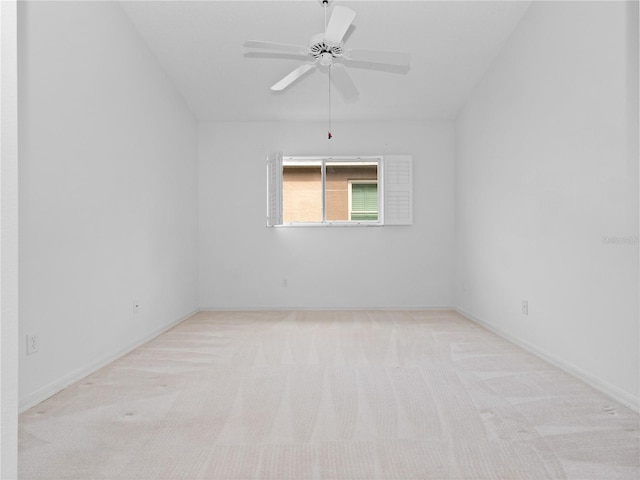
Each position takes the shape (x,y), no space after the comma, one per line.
(8,240)
(108,192)
(546,174)
(242,262)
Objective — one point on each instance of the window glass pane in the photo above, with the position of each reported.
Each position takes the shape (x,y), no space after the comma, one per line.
(302,191)
(339,176)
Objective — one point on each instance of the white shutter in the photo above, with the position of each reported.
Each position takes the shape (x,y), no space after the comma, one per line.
(398,189)
(274,189)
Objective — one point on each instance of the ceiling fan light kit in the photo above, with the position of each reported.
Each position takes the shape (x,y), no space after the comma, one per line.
(326,51)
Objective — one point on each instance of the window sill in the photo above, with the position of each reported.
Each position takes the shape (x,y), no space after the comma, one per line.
(331,224)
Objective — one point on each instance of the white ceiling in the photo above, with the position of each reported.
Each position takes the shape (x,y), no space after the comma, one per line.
(199,44)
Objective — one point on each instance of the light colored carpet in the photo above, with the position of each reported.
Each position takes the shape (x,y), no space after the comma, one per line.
(329,395)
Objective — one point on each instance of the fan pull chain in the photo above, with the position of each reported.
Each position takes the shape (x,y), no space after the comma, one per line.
(329,136)
(325,3)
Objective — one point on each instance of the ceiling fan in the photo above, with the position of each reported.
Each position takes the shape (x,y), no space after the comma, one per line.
(326,51)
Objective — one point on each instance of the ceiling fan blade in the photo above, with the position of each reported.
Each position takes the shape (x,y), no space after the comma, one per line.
(293,76)
(278,56)
(400,59)
(343,83)
(378,67)
(279,47)
(339,23)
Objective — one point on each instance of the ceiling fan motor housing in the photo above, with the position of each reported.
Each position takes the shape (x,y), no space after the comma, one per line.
(324,52)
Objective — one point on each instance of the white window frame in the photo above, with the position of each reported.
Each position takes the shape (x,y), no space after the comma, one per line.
(395,190)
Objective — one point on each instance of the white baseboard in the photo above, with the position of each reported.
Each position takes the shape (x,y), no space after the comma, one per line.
(612,391)
(58,385)
(333,309)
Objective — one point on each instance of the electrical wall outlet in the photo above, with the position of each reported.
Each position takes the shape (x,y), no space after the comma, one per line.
(136,307)
(525,307)
(285,282)
(33,343)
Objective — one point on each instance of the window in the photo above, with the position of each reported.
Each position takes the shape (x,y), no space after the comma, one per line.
(363,200)
(339,190)
(319,190)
